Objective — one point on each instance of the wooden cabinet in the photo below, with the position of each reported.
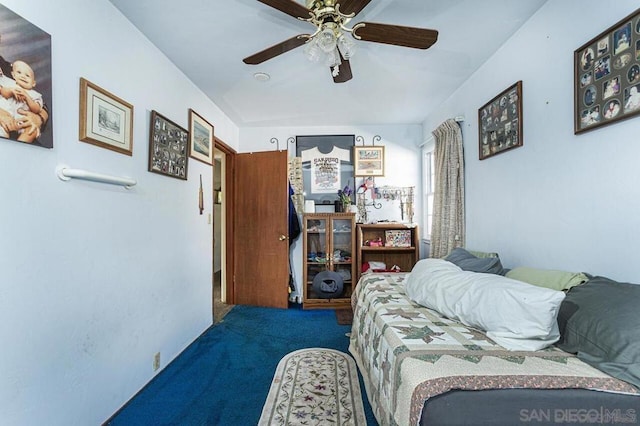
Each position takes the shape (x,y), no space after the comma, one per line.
(404,254)
(328,245)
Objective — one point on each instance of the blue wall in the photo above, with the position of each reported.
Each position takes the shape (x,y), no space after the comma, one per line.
(561,201)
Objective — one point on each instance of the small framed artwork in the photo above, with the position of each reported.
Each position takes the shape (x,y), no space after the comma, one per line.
(501,122)
(368,160)
(168,147)
(200,138)
(607,76)
(105,119)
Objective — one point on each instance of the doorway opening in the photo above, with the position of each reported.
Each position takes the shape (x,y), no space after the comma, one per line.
(220,298)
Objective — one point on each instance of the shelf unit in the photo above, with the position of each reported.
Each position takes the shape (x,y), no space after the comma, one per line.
(404,257)
(328,244)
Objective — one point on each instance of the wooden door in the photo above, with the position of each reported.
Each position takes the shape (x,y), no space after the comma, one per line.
(261,245)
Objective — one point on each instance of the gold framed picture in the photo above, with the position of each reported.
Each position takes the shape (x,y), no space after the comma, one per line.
(368,160)
(105,119)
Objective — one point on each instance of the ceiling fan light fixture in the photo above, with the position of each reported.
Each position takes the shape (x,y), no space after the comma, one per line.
(332,58)
(329,45)
(312,51)
(346,46)
(326,40)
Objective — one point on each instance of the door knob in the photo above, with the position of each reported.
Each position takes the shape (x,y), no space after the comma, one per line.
(283,237)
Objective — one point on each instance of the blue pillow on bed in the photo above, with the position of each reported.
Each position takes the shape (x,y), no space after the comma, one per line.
(468,262)
(599,321)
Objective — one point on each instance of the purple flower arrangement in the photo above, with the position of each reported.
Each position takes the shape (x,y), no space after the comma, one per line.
(344,195)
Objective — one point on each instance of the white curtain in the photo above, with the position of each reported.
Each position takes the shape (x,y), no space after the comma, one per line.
(448,229)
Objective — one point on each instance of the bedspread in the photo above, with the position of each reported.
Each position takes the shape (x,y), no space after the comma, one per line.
(408,353)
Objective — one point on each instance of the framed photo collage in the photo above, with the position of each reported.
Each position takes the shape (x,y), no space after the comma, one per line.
(607,76)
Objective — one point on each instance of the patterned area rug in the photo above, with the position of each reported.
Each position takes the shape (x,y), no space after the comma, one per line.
(314,386)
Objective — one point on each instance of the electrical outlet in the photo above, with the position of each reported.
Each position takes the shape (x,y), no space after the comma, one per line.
(156,361)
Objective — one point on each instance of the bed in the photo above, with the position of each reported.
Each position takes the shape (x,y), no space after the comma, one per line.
(421,367)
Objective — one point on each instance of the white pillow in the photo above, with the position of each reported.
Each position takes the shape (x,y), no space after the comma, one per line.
(516,315)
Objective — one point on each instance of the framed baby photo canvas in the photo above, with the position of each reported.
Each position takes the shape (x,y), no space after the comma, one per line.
(607,76)
(25,79)
(105,120)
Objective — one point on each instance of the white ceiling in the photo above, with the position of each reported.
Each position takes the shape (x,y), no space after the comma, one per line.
(207,40)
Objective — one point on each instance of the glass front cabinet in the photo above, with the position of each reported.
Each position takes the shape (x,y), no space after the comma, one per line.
(329,259)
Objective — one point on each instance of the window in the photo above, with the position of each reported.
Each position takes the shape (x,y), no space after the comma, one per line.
(429,171)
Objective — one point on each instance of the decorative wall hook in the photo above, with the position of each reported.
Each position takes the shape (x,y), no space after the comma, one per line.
(376,138)
(277,142)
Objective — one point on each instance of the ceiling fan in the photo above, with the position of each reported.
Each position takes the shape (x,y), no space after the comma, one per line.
(329,44)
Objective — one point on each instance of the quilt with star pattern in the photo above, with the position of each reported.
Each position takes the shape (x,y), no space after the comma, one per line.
(408,353)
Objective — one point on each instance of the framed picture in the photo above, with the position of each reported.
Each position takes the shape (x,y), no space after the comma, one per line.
(105,119)
(327,165)
(368,160)
(168,147)
(607,76)
(200,138)
(28,48)
(501,122)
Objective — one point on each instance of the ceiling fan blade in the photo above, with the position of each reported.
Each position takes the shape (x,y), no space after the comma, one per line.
(418,38)
(344,73)
(276,49)
(352,6)
(289,7)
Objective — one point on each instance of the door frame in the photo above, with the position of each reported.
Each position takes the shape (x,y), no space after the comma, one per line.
(229,212)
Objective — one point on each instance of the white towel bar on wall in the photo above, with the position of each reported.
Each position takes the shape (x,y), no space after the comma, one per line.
(65,173)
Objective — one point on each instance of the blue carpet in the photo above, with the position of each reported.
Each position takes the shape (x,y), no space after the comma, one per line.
(224,376)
